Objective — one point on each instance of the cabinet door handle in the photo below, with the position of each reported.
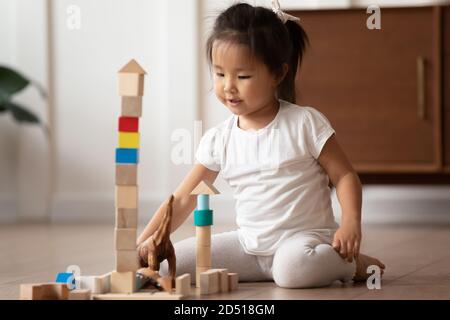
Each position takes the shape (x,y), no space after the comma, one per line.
(421,88)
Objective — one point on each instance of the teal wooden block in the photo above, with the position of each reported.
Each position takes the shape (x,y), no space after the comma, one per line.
(203,218)
(203,202)
(127,156)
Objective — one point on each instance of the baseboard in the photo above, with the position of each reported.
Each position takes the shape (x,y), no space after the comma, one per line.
(381,205)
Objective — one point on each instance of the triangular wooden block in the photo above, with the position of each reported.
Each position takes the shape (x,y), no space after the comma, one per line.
(205,187)
(132,67)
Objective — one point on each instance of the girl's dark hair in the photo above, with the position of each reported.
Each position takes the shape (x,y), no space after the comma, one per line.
(273,42)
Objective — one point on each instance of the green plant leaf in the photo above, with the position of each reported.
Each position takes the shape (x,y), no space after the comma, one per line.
(21,114)
(10,82)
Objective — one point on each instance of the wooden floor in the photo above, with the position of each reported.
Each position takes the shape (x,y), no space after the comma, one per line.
(417,260)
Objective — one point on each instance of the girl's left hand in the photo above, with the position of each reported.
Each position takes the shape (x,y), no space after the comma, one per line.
(347,240)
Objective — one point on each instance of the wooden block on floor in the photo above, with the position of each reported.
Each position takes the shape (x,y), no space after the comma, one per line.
(128,124)
(198,271)
(161,295)
(203,235)
(80,294)
(126,218)
(126,174)
(127,260)
(223,280)
(209,282)
(129,140)
(44,291)
(123,282)
(96,284)
(125,239)
(233,281)
(203,256)
(183,284)
(132,107)
(126,197)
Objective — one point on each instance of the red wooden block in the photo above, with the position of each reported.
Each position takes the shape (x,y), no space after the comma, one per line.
(128,124)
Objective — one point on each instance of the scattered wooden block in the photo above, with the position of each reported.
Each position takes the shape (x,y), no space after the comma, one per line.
(209,282)
(125,239)
(233,281)
(126,197)
(127,260)
(97,284)
(203,236)
(198,272)
(132,107)
(203,256)
(129,140)
(128,124)
(44,291)
(183,284)
(123,282)
(80,294)
(223,280)
(126,218)
(126,174)
(127,156)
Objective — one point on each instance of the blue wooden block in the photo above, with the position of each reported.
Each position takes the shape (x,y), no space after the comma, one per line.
(128,156)
(66,277)
(203,202)
(203,218)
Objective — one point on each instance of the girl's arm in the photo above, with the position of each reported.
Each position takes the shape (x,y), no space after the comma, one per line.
(347,239)
(183,202)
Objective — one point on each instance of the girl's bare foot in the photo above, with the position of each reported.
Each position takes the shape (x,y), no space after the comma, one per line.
(362,263)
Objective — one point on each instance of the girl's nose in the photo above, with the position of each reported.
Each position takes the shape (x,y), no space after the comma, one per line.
(229,86)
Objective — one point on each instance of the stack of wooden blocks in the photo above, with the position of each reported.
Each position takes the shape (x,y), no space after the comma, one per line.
(131,89)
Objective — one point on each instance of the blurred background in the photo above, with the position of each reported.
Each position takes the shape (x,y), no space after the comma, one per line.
(62,169)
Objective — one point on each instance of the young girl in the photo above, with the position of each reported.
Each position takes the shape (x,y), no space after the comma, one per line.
(278,158)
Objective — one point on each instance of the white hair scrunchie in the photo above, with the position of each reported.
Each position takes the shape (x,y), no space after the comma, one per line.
(283,16)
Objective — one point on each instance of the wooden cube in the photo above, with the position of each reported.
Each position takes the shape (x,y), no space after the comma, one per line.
(80,294)
(131,84)
(128,124)
(131,106)
(125,239)
(126,197)
(233,281)
(198,271)
(129,140)
(123,282)
(209,281)
(96,284)
(30,291)
(127,260)
(126,218)
(223,280)
(203,235)
(126,174)
(183,284)
(44,291)
(203,256)
(127,156)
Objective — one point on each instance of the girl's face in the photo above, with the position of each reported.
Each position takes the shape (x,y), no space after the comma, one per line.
(244,85)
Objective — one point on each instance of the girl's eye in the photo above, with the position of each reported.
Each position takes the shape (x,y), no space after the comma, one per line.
(219,74)
(244,77)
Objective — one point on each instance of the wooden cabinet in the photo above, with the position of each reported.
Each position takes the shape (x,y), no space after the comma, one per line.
(381,89)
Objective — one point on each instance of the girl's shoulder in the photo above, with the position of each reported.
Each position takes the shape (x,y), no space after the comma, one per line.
(295,112)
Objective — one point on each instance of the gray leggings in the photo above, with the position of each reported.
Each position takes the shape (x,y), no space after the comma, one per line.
(305,260)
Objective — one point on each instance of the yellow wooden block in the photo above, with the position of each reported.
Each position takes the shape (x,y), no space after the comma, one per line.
(126,197)
(123,282)
(126,218)
(129,140)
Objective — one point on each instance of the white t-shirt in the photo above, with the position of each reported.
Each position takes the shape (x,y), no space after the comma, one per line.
(278,184)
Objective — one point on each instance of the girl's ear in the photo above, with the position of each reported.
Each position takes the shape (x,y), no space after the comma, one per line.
(284,71)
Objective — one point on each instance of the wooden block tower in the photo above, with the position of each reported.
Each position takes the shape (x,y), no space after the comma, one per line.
(203,220)
(131,90)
